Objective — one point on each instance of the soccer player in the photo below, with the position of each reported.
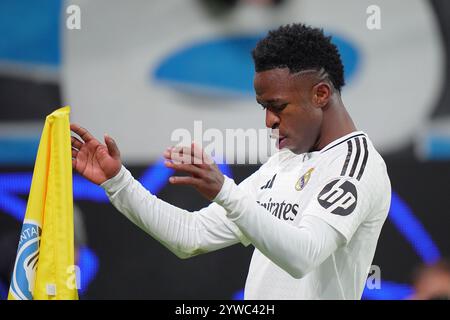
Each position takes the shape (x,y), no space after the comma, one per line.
(313,211)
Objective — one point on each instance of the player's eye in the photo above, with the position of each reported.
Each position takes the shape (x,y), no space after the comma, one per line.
(279,108)
(274,108)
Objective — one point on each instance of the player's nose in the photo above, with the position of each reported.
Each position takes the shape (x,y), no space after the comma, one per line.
(272,120)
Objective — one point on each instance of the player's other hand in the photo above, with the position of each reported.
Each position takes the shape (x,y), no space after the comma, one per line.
(204,175)
(95,161)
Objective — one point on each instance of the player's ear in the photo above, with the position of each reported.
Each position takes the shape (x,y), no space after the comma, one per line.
(321,94)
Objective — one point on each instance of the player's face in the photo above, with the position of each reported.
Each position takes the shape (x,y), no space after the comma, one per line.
(287,100)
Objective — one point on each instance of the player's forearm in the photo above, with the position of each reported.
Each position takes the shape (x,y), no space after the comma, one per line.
(296,249)
(175,228)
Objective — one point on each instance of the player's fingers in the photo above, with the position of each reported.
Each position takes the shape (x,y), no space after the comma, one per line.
(74,163)
(182,154)
(82,132)
(168,153)
(192,154)
(76,143)
(76,128)
(199,153)
(189,168)
(185,181)
(113,150)
(74,153)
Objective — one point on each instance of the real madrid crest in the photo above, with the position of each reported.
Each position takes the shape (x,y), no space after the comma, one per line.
(303,180)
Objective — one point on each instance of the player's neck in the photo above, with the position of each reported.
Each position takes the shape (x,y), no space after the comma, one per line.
(336,124)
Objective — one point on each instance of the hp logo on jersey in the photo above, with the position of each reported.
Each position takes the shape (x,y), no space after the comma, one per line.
(339,197)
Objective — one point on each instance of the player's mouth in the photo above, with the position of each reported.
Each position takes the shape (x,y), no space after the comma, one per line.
(282,141)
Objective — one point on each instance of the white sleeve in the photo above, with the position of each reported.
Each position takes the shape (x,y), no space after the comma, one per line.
(184,233)
(297,249)
(344,200)
(343,203)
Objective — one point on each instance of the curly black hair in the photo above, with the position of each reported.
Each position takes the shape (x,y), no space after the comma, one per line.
(299,47)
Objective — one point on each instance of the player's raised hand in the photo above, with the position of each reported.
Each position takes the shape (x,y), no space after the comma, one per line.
(205,176)
(95,161)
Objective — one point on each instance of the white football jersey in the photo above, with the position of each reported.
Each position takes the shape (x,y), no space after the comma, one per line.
(346,185)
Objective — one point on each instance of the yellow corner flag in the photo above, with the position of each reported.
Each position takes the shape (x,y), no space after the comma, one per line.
(44,267)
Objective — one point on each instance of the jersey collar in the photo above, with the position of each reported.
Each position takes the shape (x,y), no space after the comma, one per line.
(310,155)
(342,139)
